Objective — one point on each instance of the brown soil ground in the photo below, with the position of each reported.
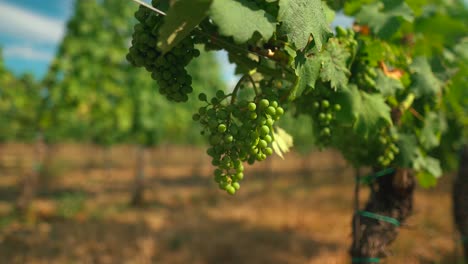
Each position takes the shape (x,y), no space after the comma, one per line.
(292,211)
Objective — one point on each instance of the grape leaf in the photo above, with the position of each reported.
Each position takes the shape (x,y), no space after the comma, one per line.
(431,131)
(408,146)
(384,18)
(333,61)
(282,143)
(424,82)
(386,85)
(368,112)
(181,19)
(307,72)
(300,19)
(240,19)
(428,169)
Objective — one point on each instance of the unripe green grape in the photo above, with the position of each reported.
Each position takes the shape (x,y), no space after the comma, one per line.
(322,116)
(252,106)
(261,120)
(316,105)
(271,110)
(220,94)
(196,117)
(264,103)
(253,116)
(274,104)
(254,151)
(268,139)
(264,130)
(202,110)
(214,100)
(269,122)
(268,151)
(223,185)
(326,131)
(337,107)
(228,138)
(239,176)
(231,190)
(390,156)
(262,144)
(329,117)
(236,185)
(222,128)
(325,103)
(279,111)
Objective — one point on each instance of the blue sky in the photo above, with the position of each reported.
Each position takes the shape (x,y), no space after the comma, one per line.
(30,31)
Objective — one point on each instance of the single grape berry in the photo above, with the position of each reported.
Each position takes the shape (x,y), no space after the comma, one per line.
(222,128)
(325,103)
(230,189)
(202,97)
(264,103)
(271,110)
(252,106)
(196,117)
(220,94)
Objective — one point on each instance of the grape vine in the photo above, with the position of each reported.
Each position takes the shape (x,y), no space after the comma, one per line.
(364,92)
(168,69)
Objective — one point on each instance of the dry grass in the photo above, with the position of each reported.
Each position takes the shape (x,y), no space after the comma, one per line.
(299,214)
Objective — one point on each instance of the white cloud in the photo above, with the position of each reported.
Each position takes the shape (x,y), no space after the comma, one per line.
(26,24)
(27,53)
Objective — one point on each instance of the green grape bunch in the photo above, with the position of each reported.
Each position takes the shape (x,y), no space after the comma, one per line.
(324,115)
(237,132)
(168,69)
(387,139)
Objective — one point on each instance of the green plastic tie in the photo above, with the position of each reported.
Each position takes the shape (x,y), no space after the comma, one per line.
(368,179)
(380,217)
(365,260)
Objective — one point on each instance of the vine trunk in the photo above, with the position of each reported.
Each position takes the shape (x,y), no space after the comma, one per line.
(391,196)
(460,199)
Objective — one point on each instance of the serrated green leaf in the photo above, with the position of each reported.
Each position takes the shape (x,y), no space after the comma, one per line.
(424,82)
(432,130)
(408,146)
(282,143)
(428,170)
(386,85)
(180,20)
(384,17)
(301,19)
(333,64)
(240,19)
(368,112)
(307,71)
